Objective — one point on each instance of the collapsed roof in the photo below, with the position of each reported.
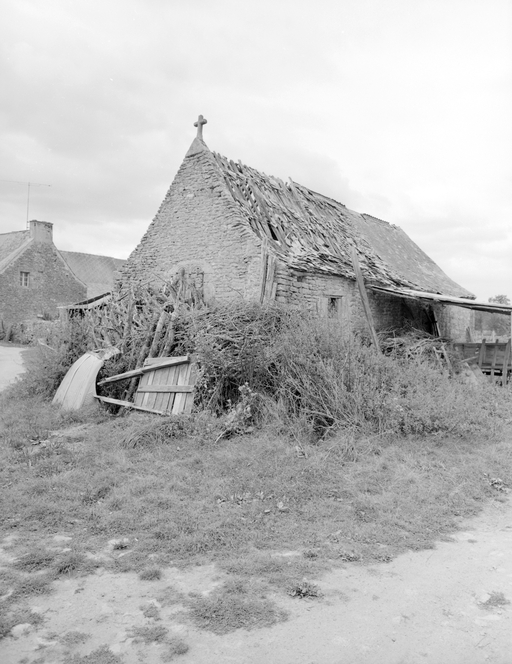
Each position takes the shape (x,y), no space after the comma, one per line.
(314,233)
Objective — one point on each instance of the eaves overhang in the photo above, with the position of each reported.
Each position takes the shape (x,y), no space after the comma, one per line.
(489,307)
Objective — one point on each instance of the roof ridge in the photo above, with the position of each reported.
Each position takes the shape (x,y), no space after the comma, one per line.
(372,216)
(86,253)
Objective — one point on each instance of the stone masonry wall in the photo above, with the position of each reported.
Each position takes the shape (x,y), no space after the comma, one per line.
(198,228)
(50,284)
(454,321)
(337,297)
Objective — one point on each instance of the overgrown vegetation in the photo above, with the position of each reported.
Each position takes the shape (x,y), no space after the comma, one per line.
(271,362)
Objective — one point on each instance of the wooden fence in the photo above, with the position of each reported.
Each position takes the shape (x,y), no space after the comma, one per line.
(494,359)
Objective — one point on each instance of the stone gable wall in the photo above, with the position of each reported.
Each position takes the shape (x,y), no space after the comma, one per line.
(51,284)
(198,228)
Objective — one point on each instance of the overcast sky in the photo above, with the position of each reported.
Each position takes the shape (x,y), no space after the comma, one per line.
(398,108)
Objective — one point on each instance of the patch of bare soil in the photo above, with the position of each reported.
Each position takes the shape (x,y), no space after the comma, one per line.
(449,605)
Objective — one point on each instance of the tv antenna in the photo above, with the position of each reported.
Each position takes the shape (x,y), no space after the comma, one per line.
(29,184)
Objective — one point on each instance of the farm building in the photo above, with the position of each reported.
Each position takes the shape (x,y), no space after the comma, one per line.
(235,232)
(36,278)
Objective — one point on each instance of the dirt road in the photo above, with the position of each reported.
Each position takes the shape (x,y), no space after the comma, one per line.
(450,605)
(11,364)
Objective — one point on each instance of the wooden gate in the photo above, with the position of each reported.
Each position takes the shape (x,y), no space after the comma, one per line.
(166,386)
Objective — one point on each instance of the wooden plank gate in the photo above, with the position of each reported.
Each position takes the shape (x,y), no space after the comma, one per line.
(166,386)
(494,359)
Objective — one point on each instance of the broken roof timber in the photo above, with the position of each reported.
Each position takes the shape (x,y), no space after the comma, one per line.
(311,232)
(91,303)
(490,307)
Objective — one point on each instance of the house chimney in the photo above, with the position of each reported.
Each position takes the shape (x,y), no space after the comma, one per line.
(41,231)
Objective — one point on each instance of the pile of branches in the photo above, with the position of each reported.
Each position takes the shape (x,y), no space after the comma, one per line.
(233,345)
(141,322)
(413,344)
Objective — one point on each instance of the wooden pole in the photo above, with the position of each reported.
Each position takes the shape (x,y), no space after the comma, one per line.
(506,361)
(364,298)
(481,353)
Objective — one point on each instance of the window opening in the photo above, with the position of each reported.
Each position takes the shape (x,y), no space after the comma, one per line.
(333,307)
(24,279)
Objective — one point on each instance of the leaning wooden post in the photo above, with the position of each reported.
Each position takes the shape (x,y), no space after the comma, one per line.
(364,298)
(158,332)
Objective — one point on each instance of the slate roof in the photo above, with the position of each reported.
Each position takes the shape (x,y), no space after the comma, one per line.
(11,245)
(314,233)
(97,272)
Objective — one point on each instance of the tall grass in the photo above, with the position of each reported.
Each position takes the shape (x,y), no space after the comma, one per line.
(334,382)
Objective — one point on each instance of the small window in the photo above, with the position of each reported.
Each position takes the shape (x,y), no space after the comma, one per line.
(24,279)
(333,307)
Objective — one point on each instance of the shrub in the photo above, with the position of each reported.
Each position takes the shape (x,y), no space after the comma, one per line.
(48,362)
(336,382)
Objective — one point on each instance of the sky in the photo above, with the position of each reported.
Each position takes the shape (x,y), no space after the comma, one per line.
(398,108)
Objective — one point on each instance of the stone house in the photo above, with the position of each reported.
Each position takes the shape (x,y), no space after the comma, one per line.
(235,232)
(36,278)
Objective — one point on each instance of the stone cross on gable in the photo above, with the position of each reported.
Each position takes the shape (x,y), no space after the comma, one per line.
(199,124)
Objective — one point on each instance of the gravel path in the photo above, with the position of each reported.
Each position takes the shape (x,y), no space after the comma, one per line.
(11,364)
